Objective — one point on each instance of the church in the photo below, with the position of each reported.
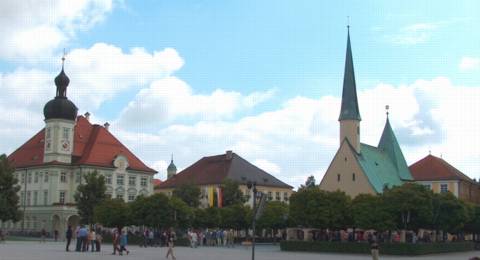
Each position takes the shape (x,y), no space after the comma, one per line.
(50,166)
(357,167)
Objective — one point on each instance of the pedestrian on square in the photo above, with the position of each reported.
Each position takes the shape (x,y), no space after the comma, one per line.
(98,241)
(151,236)
(43,234)
(68,236)
(92,237)
(170,238)
(115,241)
(124,242)
(374,246)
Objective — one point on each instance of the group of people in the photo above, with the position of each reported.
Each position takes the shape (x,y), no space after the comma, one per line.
(120,241)
(217,237)
(87,239)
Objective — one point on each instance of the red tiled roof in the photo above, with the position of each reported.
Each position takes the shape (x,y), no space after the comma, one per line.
(215,169)
(93,145)
(156,182)
(432,168)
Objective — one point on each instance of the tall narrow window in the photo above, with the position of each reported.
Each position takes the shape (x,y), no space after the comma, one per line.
(35,198)
(61,197)
(353,176)
(443,188)
(338,177)
(143,181)
(66,133)
(45,177)
(29,194)
(63,177)
(35,179)
(119,179)
(45,197)
(48,134)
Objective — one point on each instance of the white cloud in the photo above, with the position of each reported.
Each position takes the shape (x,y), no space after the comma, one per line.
(34,29)
(267,166)
(171,98)
(300,138)
(469,63)
(413,34)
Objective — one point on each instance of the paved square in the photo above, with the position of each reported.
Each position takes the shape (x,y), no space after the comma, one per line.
(16,250)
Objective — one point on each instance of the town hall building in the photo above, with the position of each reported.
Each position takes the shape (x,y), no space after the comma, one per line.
(51,164)
(357,167)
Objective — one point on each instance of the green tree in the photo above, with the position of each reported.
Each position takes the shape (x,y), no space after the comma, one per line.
(235,216)
(180,214)
(152,211)
(189,193)
(8,191)
(112,213)
(309,183)
(274,216)
(449,213)
(473,224)
(370,212)
(231,193)
(410,204)
(89,195)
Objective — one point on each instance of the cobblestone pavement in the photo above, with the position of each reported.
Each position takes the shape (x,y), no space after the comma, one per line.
(21,250)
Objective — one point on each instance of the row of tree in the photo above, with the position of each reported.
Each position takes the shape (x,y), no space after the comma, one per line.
(410,206)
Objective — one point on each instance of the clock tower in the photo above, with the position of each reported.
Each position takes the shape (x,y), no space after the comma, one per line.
(60,115)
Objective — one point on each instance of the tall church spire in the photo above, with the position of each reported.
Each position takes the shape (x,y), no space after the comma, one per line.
(349,109)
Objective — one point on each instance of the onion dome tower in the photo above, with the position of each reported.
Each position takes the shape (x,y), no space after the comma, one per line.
(172,169)
(60,115)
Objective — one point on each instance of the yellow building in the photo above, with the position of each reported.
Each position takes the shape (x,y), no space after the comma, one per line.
(209,173)
(356,167)
(439,176)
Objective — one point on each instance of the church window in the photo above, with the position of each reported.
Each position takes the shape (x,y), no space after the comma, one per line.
(45,177)
(338,177)
(66,133)
(353,176)
(132,180)
(63,177)
(345,159)
(61,197)
(443,188)
(35,198)
(48,134)
(143,181)
(108,179)
(120,180)
(45,197)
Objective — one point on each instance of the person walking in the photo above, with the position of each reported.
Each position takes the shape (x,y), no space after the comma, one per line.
(68,236)
(170,238)
(115,241)
(124,242)
(92,237)
(374,246)
(98,240)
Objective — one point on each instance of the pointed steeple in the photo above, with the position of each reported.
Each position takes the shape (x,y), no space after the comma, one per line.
(172,169)
(349,109)
(389,144)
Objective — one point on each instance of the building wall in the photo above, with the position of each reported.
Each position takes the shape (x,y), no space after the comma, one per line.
(344,164)
(469,192)
(350,129)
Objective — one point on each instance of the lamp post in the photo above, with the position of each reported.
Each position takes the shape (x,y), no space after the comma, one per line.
(253,186)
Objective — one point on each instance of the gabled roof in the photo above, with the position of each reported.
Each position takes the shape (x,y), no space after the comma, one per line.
(93,145)
(212,170)
(389,144)
(378,167)
(349,110)
(432,168)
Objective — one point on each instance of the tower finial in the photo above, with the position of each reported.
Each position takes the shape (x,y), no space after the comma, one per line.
(172,157)
(387,107)
(63,58)
(348,22)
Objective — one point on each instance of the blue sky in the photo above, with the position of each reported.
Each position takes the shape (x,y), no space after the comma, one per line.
(229,64)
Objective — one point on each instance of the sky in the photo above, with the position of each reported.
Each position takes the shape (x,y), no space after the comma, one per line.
(262,78)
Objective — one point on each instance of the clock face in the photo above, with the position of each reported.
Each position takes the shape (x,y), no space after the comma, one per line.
(65,145)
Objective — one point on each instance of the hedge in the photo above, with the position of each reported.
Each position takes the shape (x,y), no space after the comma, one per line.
(386,248)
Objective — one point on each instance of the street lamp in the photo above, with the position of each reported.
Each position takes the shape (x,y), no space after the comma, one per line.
(253,186)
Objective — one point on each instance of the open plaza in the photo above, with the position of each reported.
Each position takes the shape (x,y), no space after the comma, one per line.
(17,250)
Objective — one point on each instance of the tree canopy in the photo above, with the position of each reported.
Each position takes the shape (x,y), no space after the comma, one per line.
(112,213)
(370,212)
(189,193)
(89,195)
(231,193)
(8,192)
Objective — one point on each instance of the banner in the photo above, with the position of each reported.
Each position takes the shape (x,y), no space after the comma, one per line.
(219,197)
(210,196)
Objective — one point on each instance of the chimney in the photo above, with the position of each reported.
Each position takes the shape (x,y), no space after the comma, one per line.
(229,155)
(106,125)
(87,116)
